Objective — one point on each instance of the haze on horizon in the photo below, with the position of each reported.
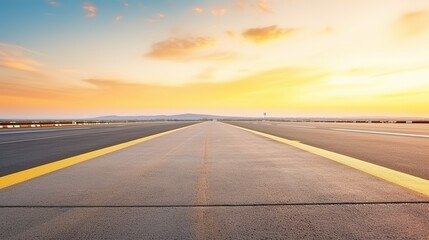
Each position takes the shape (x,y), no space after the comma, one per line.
(72,58)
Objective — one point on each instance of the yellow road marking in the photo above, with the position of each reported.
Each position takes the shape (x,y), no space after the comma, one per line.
(411,182)
(31,173)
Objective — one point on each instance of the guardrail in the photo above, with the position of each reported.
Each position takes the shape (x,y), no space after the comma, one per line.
(47,124)
(40,124)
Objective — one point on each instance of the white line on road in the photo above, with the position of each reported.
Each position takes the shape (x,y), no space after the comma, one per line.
(42,138)
(58,136)
(382,133)
(297,126)
(37,131)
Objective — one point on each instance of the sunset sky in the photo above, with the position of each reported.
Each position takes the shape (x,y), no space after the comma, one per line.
(289,58)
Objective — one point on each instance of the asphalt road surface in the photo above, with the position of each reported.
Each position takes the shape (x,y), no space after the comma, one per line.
(211,181)
(402,147)
(21,149)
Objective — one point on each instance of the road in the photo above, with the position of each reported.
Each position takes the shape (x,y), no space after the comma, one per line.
(402,147)
(211,181)
(21,149)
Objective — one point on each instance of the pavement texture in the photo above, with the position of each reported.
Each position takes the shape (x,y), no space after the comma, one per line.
(22,149)
(406,154)
(211,181)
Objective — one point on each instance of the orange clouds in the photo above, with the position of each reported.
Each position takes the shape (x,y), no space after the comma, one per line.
(230,33)
(260,5)
(283,89)
(266,89)
(15,58)
(412,24)
(179,48)
(20,64)
(271,89)
(90,9)
(218,11)
(265,34)
(238,5)
(263,6)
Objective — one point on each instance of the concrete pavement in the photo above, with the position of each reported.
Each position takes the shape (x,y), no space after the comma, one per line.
(26,148)
(407,154)
(211,181)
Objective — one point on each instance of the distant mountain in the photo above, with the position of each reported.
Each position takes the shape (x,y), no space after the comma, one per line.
(182,117)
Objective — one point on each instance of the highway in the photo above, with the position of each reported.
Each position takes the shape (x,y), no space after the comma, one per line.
(212,180)
(21,149)
(403,147)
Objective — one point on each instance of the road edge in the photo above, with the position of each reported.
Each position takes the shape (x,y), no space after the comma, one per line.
(28,174)
(408,181)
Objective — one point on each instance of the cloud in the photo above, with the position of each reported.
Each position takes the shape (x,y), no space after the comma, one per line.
(218,56)
(218,11)
(16,58)
(90,9)
(52,2)
(125,3)
(118,18)
(161,15)
(230,33)
(274,88)
(293,89)
(206,74)
(109,83)
(412,24)
(240,5)
(198,10)
(264,34)
(263,6)
(328,30)
(179,48)
(18,87)
(259,5)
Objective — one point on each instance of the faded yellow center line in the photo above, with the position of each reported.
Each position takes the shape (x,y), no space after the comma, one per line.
(35,172)
(408,181)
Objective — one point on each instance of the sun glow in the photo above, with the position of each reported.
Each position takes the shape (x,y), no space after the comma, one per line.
(187,57)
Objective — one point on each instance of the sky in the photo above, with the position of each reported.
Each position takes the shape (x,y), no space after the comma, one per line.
(288,58)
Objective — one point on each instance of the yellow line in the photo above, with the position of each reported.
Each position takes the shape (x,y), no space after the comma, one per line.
(31,173)
(416,184)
